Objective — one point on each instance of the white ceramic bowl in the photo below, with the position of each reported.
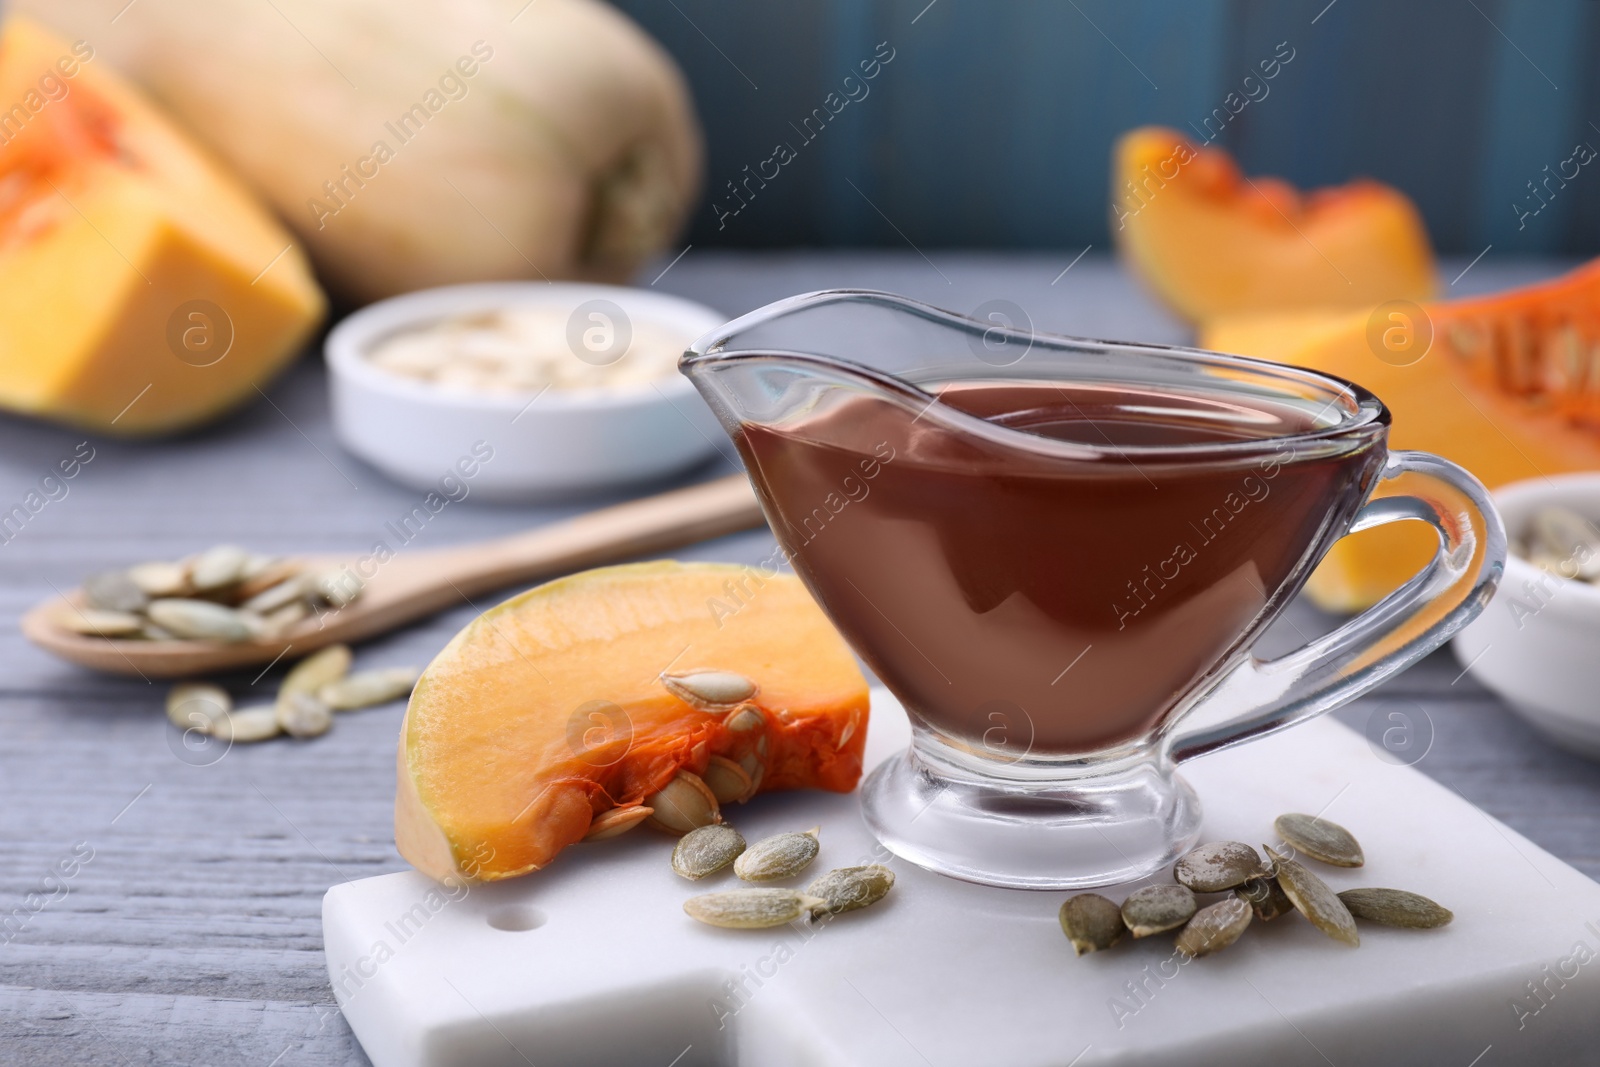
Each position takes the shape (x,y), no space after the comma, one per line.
(1537,644)
(568,441)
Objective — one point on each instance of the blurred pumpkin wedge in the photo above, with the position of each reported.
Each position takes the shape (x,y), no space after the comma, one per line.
(1509,388)
(1212,242)
(142,290)
(547,717)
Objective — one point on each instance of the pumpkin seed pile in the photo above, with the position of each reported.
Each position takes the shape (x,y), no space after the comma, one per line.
(318,686)
(710,849)
(1561,542)
(224,594)
(1258,890)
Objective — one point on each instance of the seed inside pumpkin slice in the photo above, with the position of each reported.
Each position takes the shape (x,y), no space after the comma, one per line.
(547,711)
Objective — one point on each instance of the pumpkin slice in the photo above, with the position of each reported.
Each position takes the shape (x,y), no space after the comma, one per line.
(142,290)
(549,712)
(1212,242)
(1509,389)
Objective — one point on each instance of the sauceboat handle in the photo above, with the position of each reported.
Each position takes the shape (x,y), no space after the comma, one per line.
(1400,629)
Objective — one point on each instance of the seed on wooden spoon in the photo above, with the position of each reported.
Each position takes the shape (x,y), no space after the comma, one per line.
(1313,899)
(197,706)
(777,857)
(1214,927)
(1091,922)
(1217,866)
(710,690)
(1320,839)
(683,804)
(338,587)
(1265,897)
(706,850)
(1158,908)
(217,567)
(751,909)
(850,888)
(160,578)
(289,591)
(727,780)
(1395,907)
(616,822)
(114,591)
(94,622)
(200,620)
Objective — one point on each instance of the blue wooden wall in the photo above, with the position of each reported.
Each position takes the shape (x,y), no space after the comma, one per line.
(992,124)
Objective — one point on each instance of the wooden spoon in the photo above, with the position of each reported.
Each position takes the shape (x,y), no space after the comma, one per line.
(414,584)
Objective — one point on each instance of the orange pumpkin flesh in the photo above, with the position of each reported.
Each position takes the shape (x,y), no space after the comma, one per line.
(1212,242)
(1509,389)
(125,251)
(548,709)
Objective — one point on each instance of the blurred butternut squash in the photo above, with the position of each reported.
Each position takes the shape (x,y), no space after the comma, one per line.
(430,142)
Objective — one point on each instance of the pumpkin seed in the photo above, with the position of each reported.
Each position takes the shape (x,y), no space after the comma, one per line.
(288,591)
(1313,899)
(114,591)
(706,850)
(1569,536)
(751,909)
(160,578)
(780,856)
(197,706)
(849,730)
(746,718)
(616,822)
(200,620)
(217,567)
(1156,909)
(1320,839)
(1465,338)
(257,564)
(751,764)
(727,780)
(97,623)
(1091,922)
(1265,897)
(1395,907)
(1217,866)
(279,620)
(683,804)
(1214,927)
(710,690)
(250,724)
(851,888)
(338,587)
(316,670)
(366,688)
(303,715)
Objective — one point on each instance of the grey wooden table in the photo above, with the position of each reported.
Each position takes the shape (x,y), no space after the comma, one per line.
(191,934)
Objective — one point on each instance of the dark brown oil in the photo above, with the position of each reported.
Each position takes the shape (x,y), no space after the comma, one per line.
(1022,601)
